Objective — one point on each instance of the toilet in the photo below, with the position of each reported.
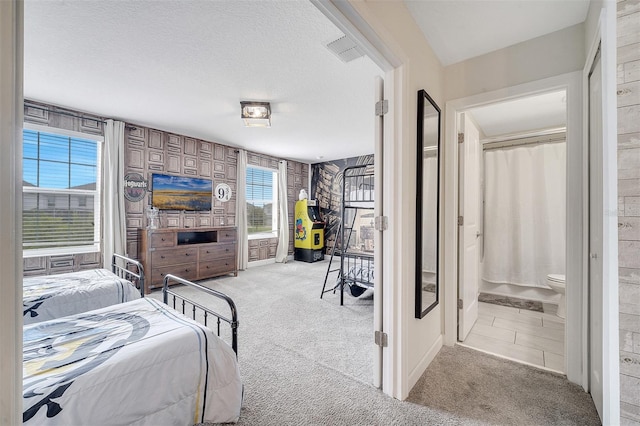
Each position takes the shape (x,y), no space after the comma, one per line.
(556,282)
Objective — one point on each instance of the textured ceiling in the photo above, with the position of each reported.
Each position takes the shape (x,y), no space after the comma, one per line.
(184,66)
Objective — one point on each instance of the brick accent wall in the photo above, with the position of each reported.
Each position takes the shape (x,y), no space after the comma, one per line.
(628,28)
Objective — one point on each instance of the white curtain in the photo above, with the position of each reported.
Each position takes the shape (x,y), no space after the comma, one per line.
(430,213)
(282,251)
(241,211)
(114,232)
(524,220)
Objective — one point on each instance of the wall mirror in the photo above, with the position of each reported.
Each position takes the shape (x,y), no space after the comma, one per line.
(427,204)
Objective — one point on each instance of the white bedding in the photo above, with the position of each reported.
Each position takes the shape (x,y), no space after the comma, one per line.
(362,274)
(53,296)
(135,363)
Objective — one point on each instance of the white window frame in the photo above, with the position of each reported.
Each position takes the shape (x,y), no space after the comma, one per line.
(97,195)
(274,201)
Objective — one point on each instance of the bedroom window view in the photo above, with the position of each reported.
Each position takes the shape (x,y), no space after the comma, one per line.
(60,195)
(262,197)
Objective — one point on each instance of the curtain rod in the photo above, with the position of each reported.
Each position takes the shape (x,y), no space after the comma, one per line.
(70,114)
(533,140)
(556,134)
(523,135)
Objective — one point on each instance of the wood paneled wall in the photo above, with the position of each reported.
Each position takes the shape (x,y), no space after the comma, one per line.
(149,150)
(628,27)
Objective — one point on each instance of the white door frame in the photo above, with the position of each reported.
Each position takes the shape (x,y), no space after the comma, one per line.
(11,72)
(576,221)
(605,37)
(349,21)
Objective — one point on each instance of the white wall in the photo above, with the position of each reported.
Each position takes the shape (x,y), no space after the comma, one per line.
(414,341)
(10,224)
(546,56)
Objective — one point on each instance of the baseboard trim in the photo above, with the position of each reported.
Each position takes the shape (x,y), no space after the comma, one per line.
(264,262)
(417,372)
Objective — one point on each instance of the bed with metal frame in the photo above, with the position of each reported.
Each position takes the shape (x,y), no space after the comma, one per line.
(139,362)
(52,296)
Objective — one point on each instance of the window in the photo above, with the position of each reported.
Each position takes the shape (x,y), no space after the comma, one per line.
(61,193)
(262,200)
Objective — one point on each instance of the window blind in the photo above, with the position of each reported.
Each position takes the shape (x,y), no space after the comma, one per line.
(61,199)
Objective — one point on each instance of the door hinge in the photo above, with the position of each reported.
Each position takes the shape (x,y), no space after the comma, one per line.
(460,220)
(460,137)
(381,339)
(460,304)
(381,223)
(382,107)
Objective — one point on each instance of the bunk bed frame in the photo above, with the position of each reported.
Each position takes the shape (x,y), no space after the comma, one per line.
(356,263)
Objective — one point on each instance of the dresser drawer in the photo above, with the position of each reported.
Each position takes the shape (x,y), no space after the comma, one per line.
(226,265)
(162,239)
(226,235)
(217,251)
(173,257)
(188,272)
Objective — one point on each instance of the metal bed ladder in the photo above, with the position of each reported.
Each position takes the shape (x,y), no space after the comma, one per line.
(339,280)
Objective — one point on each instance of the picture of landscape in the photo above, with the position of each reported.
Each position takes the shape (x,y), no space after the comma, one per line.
(181,193)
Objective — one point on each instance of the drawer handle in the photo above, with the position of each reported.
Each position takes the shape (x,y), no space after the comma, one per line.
(226,249)
(186,254)
(161,256)
(162,239)
(186,270)
(208,252)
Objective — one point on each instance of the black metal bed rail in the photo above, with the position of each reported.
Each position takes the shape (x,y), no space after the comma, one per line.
(358,184)
(120,266)
(359,269)
(233,321)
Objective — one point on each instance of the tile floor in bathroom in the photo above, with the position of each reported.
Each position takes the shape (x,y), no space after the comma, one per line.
(533,337)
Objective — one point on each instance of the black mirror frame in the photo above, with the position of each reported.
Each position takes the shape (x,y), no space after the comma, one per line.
(423,96)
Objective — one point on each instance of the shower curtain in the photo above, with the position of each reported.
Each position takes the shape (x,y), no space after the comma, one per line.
(524,214)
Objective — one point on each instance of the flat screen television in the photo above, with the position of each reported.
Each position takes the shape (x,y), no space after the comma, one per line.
(181,192)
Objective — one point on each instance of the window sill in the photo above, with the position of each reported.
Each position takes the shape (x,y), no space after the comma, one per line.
(263,235)
(60,251)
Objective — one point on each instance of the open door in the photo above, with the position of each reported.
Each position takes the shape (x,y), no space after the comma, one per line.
(468,225)
(377,242)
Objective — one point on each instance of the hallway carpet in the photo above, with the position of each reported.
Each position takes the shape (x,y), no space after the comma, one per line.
(309,361)
(476,386)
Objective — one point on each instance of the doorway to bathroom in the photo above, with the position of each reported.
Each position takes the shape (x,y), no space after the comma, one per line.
(512,228)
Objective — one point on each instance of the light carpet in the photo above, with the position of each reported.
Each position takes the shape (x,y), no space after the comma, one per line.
(308,361)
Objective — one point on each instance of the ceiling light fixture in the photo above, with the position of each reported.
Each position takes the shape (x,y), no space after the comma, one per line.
(255,114)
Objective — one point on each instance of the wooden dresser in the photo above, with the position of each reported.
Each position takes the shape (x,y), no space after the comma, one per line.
(192,253)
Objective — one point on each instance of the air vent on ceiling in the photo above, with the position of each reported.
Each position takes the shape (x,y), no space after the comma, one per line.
(346,49)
